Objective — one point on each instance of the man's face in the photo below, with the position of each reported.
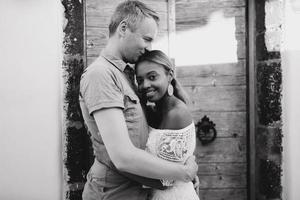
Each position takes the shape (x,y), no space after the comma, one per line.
(137,42)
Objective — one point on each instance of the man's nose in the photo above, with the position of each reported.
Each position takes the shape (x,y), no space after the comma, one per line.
(148,47)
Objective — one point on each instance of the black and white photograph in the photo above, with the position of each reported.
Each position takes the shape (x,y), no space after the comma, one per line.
(149,99)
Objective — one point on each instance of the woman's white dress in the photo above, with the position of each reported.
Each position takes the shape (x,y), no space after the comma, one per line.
(175,146)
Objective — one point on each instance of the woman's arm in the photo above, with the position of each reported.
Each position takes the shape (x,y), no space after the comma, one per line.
(126,157)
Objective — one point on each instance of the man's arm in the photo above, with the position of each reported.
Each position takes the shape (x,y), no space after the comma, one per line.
(126,157)
(153,183)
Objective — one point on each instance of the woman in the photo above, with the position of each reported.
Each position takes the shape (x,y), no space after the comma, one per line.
(172,131)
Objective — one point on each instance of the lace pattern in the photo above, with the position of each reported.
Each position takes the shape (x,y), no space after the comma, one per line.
(172,145)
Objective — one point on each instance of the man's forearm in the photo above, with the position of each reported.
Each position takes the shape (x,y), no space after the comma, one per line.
(153,183)
(134,161)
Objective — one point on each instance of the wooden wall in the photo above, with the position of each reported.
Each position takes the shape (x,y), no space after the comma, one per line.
(218,91)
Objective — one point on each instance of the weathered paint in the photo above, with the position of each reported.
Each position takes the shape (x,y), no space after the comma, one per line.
(262,52)
(78,153)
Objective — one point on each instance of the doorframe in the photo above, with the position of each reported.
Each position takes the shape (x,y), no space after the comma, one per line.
(84,34)
(251,83)
(251,96)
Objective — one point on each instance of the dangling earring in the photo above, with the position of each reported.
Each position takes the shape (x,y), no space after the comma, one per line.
(170,90)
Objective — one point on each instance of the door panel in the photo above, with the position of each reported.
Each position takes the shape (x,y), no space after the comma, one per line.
(213,72)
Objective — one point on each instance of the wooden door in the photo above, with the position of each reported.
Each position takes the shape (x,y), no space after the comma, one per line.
(211,68)
(211,64)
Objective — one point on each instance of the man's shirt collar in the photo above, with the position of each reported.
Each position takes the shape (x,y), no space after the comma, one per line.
(117,62)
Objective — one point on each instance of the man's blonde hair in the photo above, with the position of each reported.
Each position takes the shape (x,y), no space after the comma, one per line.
(133,12)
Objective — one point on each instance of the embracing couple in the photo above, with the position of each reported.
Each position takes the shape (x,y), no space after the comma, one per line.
(143,135)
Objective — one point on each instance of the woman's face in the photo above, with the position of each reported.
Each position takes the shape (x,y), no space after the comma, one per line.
(152,80)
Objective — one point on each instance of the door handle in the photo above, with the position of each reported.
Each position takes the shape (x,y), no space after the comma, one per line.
(206,131)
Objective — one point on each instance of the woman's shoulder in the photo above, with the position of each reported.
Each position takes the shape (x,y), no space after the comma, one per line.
(179,117)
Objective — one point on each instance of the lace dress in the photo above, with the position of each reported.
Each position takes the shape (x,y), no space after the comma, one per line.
(175,146)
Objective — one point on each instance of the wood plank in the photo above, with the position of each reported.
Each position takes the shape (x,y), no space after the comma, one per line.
(224,69)
(107,11)
(103,19)
(171,30)
(212,3)
(223,194)
(223,181)
(229,169)
(235,3)
(214,81)
(219,98)
(240,25)
(241,46)
(94,5)
(102,32)
(194,16)
(194,12)
(98,37)
(222,150)
(187,25)
(227,124)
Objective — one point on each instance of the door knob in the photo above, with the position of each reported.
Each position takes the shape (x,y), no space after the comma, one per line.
(206,131)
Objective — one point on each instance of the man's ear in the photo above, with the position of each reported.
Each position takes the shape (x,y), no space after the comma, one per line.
(122,28)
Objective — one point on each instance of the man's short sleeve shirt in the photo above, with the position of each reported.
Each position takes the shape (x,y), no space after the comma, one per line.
(105,85)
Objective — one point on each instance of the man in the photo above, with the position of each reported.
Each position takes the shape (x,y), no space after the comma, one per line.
(114,116)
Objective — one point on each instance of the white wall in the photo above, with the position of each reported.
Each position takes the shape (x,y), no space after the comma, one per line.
(30,99)
(291,101)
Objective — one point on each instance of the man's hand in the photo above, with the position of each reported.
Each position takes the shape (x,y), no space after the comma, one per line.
(191,168)
(196,183)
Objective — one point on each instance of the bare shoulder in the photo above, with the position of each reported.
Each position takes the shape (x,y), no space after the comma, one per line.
(179,117)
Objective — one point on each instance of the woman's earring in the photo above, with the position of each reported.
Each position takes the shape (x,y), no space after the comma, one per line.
(170,90)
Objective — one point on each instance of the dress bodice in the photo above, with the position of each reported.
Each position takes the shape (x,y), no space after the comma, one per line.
(172,145)
(175,146)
